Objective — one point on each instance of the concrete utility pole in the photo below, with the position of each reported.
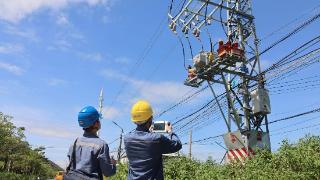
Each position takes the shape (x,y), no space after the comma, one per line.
(119,148)
(190,144)
(248,101)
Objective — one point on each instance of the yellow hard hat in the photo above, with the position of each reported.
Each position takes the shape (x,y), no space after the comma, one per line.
(141,111)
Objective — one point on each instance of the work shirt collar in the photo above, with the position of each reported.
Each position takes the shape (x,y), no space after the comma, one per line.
(90,135)
(142,128)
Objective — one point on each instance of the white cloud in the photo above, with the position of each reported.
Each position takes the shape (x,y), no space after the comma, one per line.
(122,60)
(51,132)
(56,82)
(109,73)
(110,113)
(91,56)
(38,122)
(11,68)
(155,92)
(11,48)
(106,19)
(25,33)
(62,44)
(62,19)
(65,41)
(77,36)
(16,10)
(160,92)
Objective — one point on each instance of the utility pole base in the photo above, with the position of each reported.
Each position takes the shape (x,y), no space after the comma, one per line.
(243,145)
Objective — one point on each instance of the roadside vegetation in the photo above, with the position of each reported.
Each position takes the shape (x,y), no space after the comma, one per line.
(17,159)
(300,160)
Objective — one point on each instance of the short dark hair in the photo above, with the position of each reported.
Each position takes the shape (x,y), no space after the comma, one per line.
(144,124)
(90,128)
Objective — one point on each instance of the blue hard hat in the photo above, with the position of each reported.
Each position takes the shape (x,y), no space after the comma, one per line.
(88,116)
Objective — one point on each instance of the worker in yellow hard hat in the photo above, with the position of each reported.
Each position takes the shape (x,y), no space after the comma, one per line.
(144,148)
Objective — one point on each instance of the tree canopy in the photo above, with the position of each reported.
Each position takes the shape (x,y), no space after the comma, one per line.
(17,158)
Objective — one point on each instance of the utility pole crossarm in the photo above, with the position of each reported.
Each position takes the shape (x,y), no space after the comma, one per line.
(229,66)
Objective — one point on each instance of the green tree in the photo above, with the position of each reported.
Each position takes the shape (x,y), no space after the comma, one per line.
(17,157)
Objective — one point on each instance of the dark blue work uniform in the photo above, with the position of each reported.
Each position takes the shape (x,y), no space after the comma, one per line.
(92,157)
(144,151)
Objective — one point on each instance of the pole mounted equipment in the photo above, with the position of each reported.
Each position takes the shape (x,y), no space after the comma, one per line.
(228,65)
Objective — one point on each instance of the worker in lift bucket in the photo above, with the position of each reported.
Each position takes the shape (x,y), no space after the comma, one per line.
(144,149)
(89,155)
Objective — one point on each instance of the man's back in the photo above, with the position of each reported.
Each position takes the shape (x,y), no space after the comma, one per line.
(144,151)
(92,157)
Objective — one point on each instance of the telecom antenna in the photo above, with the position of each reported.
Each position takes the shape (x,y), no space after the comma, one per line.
(234,64)
(101,101)
(100,105)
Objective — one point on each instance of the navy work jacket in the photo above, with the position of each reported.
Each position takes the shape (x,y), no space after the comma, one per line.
(92,157)
(144,151)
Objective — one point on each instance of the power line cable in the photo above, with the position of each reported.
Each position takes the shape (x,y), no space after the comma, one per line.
(141,58)
(295,31)
(296,115)
(271,122)
(295,124)
(298,129)
(314,9)
(302,26)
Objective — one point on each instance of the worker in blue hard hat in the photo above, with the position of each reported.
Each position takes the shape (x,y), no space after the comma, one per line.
(89,155)
(144,149)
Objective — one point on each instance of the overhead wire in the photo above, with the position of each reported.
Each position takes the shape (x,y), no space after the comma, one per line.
(182,101)
(299,28)
(298,129)
(183,53)
(205,112)
(296,30)
(273,45)
(288,69)
(302,26)
(190,46)
(276,43)
(205,139)
(294,85)
(293,81)
(295,52)
(316,110)
(221,22)
(113,141)
(291,22)
(151,74)
(155,36)
(295,124)
(140,59)
(203,107)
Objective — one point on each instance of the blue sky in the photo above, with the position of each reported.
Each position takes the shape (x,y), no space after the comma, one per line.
(56,55)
